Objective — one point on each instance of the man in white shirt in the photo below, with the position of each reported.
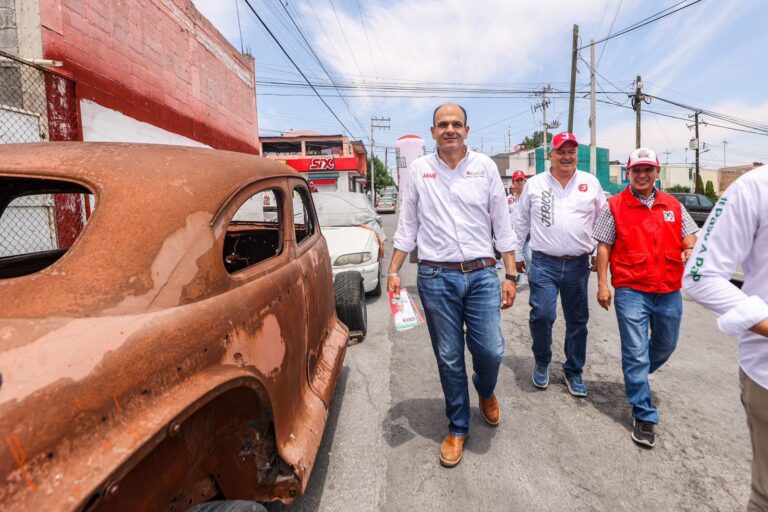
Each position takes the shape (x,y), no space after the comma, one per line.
(559,208)
(453,203)
(736,233)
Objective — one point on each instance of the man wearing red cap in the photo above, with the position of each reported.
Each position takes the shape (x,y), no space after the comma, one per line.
(646,236)
(513,199)
(559,208)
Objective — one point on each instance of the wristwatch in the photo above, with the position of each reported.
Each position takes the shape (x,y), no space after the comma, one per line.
(512,277)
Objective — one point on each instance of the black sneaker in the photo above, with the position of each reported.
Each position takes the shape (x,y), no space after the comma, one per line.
(643,434)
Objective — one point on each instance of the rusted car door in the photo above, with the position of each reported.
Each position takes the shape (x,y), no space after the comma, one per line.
(312,255)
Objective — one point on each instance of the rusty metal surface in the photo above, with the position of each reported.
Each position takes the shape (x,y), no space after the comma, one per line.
(137,374)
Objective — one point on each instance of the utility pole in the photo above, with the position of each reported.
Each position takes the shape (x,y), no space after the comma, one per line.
(666,154)
(544,126)
(637,102)
(574,55)
(725,141)
(696,144)
(379,123)
(592,112)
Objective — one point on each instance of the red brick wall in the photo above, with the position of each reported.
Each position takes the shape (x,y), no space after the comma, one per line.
(157,61)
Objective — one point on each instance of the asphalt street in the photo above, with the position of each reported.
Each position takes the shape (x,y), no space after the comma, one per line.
(552,451)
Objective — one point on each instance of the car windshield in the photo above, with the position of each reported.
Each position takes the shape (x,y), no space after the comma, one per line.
(339,209)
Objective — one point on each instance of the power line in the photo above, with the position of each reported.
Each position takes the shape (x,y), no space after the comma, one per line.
(610,29)
(248,3)
(655,17)
(351,52)
(317,58)
(368,42)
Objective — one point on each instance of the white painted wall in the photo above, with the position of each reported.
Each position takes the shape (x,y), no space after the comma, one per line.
(101,124)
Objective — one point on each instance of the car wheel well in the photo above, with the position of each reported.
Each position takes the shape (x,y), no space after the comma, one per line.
(225,449)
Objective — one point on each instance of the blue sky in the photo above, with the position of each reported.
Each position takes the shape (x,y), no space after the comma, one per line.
(711,55)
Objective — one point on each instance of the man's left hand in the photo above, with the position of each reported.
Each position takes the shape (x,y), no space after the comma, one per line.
(508,293)
(686,255)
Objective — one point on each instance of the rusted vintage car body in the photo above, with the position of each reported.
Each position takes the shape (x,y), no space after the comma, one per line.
(137,373)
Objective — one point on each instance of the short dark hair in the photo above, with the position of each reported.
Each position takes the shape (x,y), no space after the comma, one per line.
(434,114)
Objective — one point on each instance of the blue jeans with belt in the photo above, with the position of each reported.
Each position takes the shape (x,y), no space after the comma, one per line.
(638,312)
(550,276)
(451,299)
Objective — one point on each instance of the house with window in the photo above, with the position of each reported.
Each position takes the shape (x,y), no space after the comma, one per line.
(330,162)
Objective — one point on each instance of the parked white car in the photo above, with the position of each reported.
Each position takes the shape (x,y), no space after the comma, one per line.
(353,234)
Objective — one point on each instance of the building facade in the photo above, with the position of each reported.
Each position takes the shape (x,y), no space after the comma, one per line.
(154,71)
(330,162)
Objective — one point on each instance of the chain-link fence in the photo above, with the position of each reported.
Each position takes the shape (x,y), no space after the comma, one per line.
(23,103)
(31,223)
(28,225)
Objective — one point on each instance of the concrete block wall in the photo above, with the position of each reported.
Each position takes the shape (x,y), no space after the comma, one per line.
(157,61)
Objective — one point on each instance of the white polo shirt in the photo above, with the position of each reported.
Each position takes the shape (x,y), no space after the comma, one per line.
(452,214)
(560,219)
(736,233)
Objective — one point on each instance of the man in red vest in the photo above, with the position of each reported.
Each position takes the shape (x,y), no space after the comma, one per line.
(646,235)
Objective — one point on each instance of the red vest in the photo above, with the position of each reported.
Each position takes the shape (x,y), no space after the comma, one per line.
(647,252)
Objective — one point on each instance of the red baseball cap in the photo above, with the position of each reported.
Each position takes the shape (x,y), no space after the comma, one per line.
(643,156)
(563,137)
(518,175)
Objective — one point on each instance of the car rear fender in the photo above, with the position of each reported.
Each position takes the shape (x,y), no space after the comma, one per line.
(213,434)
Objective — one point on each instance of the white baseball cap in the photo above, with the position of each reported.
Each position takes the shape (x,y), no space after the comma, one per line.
(643,156)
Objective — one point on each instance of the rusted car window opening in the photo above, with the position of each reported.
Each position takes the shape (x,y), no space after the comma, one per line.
(40,220)
(304,221)
(255,233)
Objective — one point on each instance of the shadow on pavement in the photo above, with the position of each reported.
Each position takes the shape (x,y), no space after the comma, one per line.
(522,366)
(425,417)
(314,491)
(609,399)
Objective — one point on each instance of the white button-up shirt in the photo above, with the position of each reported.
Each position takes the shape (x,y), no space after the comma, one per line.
(736,233)
(560,219)
(453,215)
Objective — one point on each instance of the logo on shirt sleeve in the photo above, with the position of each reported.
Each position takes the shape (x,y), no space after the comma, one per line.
(583,187)
(669,216)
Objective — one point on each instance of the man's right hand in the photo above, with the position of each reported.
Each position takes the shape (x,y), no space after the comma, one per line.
(604,296)
(393,285)
(520,266)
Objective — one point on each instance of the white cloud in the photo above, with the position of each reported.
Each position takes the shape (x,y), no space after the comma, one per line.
(446,40)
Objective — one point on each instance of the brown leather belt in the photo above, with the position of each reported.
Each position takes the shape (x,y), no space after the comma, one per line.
(464,266)
(566,258)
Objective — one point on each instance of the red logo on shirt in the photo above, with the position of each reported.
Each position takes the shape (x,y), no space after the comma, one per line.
(429,175)
(583,187)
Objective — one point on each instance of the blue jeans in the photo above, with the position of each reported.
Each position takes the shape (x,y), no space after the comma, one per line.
(548,277)
(641,355)
(527,259)
(452,299)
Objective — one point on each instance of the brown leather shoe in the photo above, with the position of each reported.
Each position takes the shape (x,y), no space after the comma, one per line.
(451,450)
(489,408)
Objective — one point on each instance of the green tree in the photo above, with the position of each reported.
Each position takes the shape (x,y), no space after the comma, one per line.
(535,140)
(709,191)
(383,179)
(679,188)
